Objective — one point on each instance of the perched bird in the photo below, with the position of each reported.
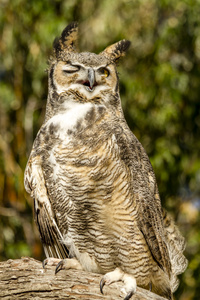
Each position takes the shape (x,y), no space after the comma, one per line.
(96,201)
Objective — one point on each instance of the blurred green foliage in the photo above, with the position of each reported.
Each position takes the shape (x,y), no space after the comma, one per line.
(160,90)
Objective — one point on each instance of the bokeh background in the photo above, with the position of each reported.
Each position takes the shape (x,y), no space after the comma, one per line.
(160,91)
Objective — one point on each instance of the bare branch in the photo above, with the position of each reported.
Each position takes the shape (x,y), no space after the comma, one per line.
(25,279)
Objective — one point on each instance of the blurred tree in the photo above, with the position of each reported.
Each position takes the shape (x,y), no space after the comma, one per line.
(160,95)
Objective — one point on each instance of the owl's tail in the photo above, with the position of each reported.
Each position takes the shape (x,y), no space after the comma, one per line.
(176,246)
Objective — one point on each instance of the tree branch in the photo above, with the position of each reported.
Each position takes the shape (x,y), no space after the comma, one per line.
(25,279)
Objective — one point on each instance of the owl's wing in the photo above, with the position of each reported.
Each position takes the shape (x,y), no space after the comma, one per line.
(146,196)
(49,232)
(151,225)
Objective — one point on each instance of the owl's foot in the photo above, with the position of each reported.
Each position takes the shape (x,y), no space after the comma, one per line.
(119,275)
(62,264)
(51,261)
(68,263)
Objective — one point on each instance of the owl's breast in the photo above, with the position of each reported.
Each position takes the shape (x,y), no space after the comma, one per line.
(78,156)
(90,187)
(90,191)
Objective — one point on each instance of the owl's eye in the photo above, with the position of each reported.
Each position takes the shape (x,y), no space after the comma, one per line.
(70,68)
(104,72)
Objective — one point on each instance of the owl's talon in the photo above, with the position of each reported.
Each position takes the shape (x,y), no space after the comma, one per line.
(102,283)
(44,263)
(59,266)
(129,295)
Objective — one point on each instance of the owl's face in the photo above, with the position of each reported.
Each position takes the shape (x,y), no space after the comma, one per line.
(79,78)
(88,74)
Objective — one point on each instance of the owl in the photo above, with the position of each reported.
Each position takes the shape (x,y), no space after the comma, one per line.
(96,201)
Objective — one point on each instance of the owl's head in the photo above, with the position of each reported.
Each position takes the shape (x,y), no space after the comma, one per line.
(86,74)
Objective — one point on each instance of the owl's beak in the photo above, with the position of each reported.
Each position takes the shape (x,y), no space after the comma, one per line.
(91,78)
(90,83)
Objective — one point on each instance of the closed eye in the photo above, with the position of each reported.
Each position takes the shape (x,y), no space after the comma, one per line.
(70,69)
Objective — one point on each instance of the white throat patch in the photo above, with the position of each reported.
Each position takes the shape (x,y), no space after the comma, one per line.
(67,120)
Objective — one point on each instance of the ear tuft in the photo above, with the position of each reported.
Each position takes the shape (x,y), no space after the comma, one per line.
(115,51)
(67,40)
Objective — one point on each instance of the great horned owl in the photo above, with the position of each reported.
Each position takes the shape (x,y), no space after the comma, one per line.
(96,201)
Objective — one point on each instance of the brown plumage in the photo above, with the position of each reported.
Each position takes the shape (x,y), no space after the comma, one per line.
(94,189)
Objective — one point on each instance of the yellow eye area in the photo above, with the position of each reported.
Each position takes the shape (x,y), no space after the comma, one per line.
(104,72)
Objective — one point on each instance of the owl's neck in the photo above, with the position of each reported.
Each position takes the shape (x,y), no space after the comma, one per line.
(60,103)
(57,103)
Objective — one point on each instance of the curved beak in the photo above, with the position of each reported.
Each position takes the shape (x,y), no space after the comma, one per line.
(91,77)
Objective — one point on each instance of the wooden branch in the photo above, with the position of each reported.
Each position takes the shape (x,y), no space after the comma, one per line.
(25,279)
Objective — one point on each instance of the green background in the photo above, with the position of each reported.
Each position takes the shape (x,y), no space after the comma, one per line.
(160,91)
